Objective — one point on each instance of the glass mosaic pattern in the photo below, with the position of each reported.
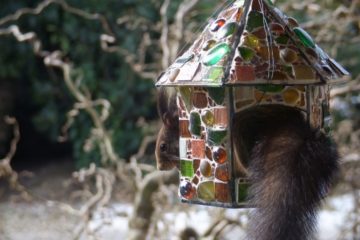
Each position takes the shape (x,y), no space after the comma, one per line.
(252,42)
(262,57)
(204,157)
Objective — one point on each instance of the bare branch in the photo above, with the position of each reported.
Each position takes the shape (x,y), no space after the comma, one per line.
(6,170)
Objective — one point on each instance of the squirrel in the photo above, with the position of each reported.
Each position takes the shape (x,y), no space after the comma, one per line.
(290,166)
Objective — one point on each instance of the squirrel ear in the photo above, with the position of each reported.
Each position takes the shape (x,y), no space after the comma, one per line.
(162,103)
(170,119)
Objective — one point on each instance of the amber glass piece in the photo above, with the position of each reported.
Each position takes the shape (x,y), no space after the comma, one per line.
(239,14)
(198,148)
(244,103)
(293,22)
(245,73)
(277,75)
(209,44)
(205,168)
(206,191)
(288,55)
(217,25)
(221,117)
(195,180)
(173,74)
(304,72)
(186,190)
(208,118)
(252,41)
(264,53)
(199,100)
(186,93)
(219,155)
(196,164)
(208,153)
(260,33)
(291,96)
(222,192)
(222,172)
(184,128)
(277,28)
(256,5)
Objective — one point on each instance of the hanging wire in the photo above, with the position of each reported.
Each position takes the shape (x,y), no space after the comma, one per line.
(220,7)
(269,44)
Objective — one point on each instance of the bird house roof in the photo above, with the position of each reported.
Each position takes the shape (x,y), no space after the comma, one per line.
(252,42)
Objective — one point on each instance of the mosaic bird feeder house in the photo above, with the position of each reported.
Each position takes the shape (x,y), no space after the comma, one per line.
(251,54)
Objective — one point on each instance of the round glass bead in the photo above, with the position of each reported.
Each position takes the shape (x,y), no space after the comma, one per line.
(186,190)
(208,118)
(219,155)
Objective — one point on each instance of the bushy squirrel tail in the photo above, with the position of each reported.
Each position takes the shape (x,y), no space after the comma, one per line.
(291,169)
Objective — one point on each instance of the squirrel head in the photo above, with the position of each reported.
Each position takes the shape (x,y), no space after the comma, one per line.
(167,144)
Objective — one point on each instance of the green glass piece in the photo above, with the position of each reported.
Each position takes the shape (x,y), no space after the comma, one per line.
(215,74)
(242,192)
(186,93)
(227,30)
(208,118)
(304,37)
(206,191)
(270,88)
(216,136)
(255,20)
(217,94)
(186,168)
(282,39)
(195,124)
(270,3)
(246,53)
(216,54)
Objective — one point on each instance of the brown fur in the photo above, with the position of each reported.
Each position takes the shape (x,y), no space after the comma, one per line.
(290,166)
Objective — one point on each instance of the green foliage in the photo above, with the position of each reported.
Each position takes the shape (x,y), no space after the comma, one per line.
(105,75)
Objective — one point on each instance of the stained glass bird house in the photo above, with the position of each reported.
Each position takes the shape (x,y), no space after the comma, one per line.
(251,54)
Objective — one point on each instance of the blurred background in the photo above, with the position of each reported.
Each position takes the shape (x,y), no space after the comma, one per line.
(78,118)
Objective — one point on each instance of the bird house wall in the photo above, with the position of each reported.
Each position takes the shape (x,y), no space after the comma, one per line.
(205,117)
(205,154)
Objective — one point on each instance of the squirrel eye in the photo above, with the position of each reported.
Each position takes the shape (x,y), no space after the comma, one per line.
(163,147)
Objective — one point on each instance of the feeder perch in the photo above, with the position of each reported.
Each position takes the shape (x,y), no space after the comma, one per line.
(252,54)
